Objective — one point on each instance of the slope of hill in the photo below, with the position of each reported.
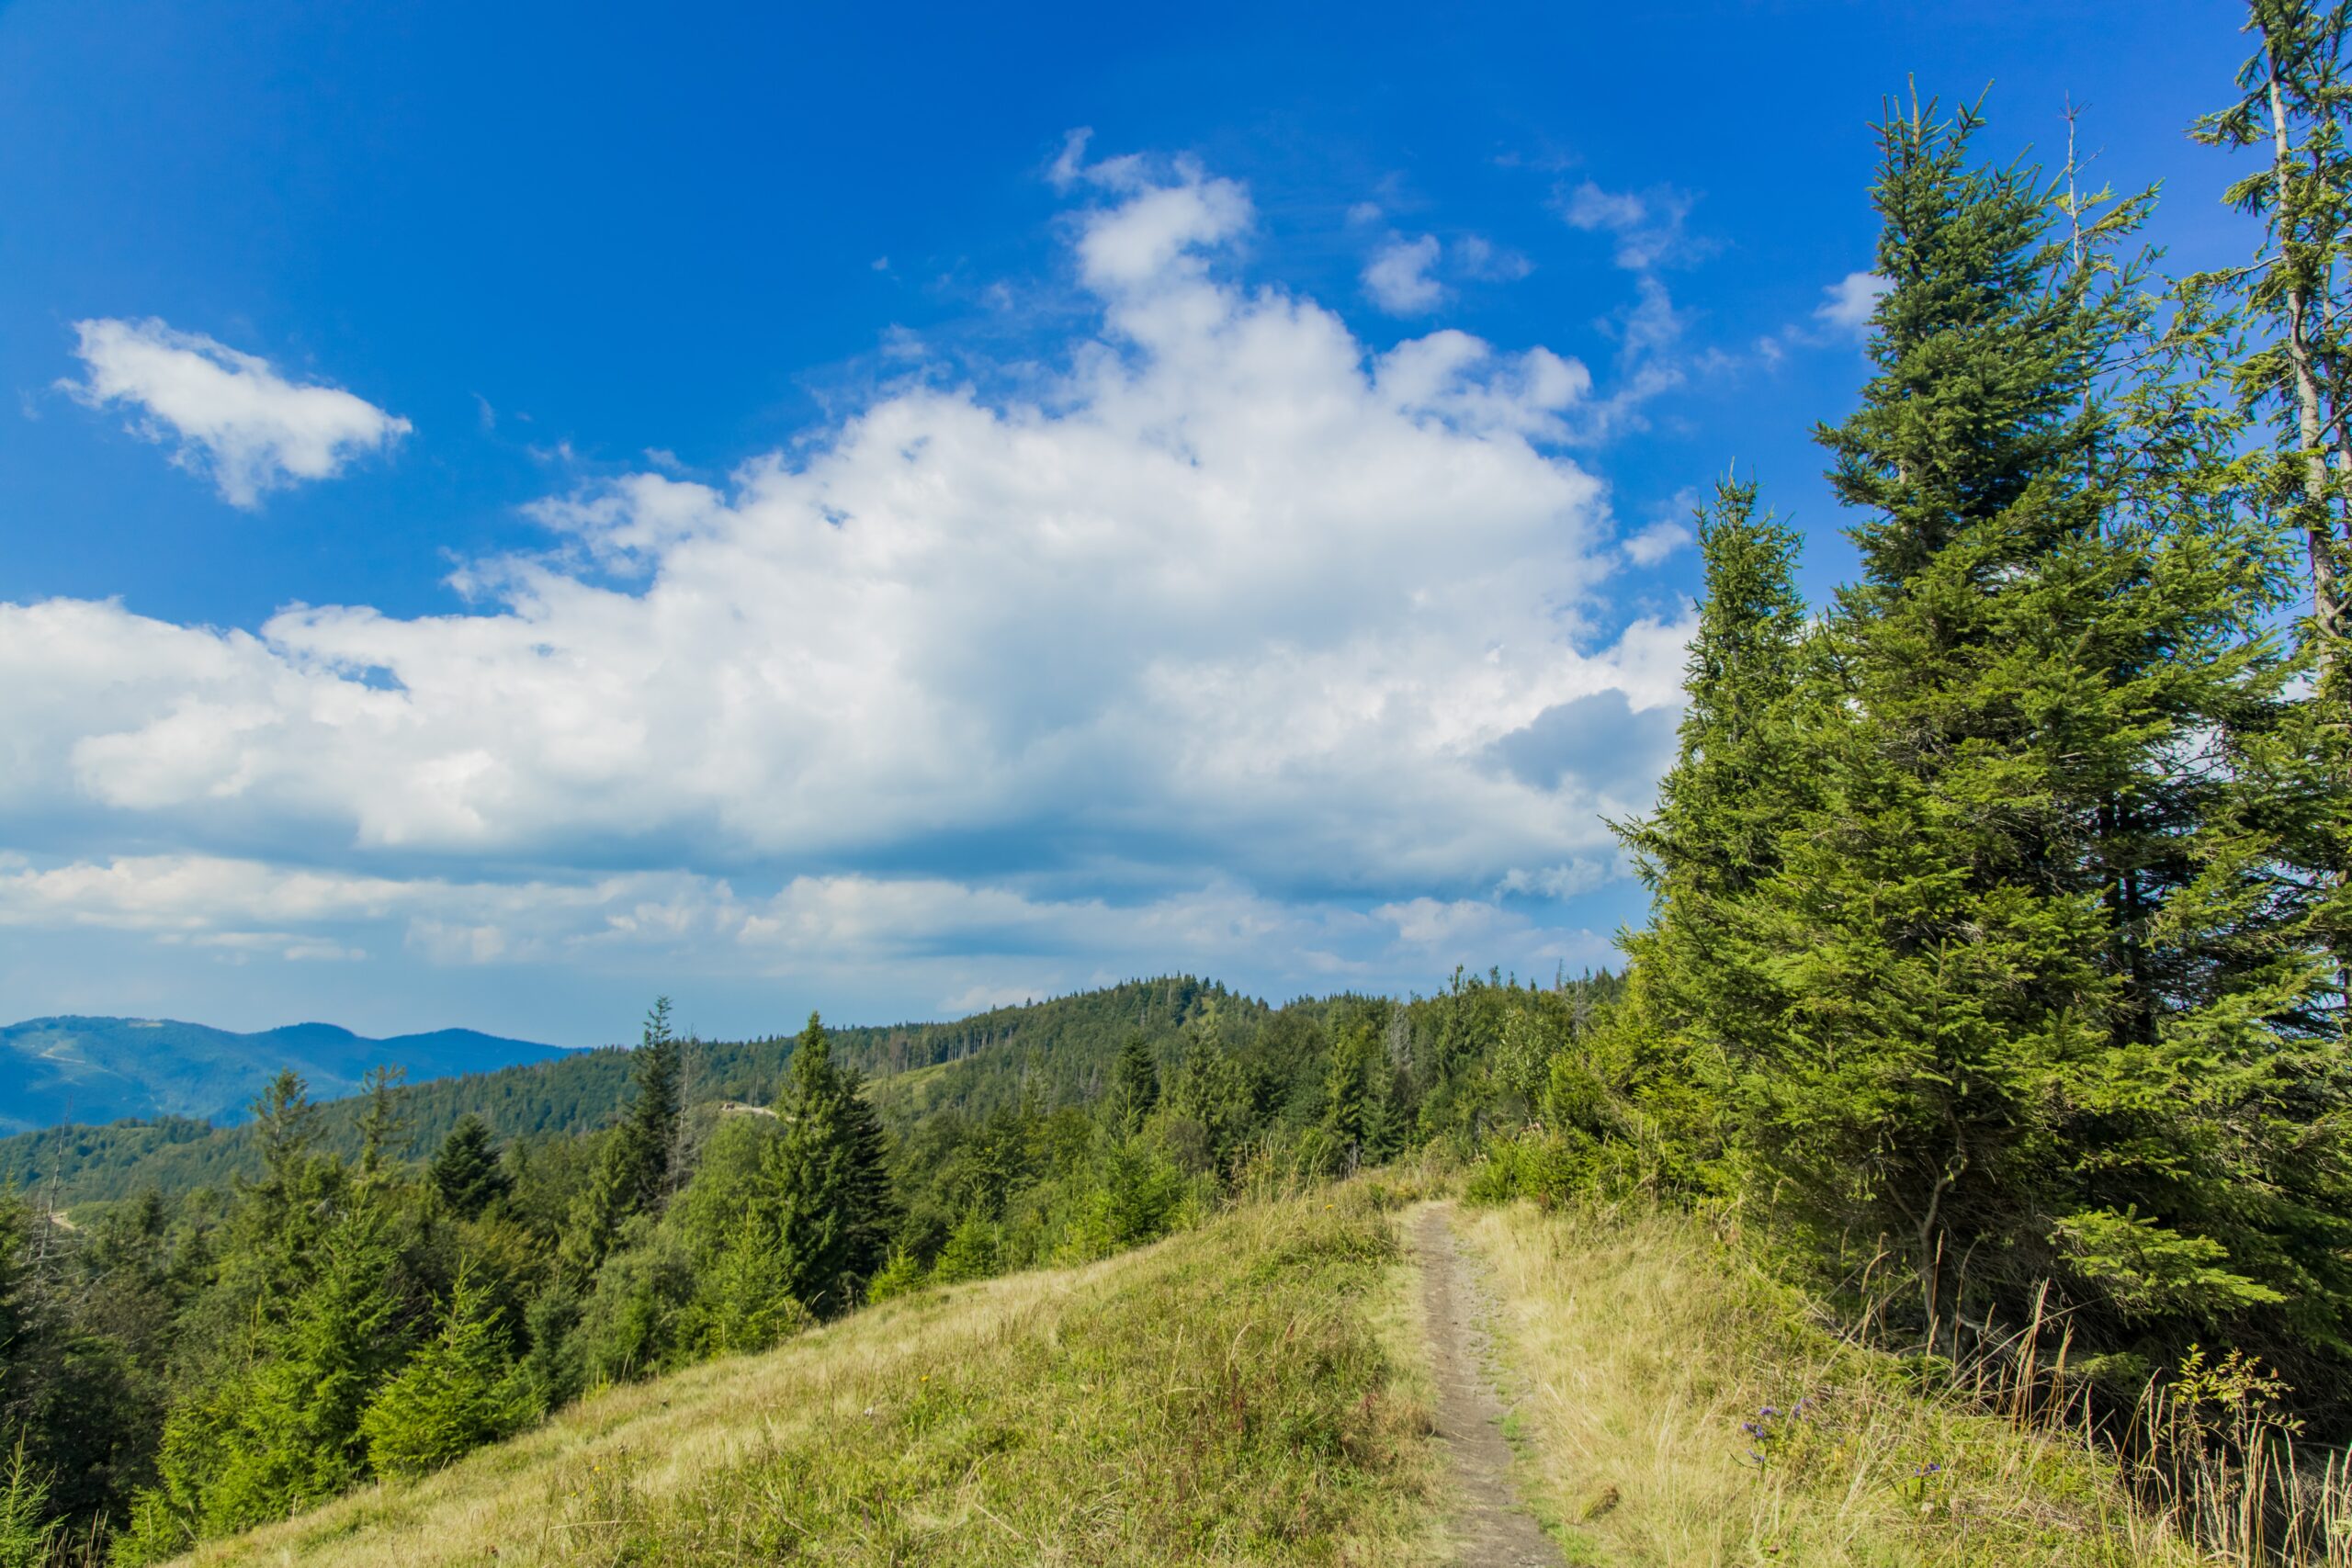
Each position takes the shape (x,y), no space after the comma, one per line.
(1057,1051)
(1238,1394)
(1347,1376)
(54,1070)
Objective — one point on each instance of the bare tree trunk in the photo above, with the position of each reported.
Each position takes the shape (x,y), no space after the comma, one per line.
(2313,430)
(2319,521)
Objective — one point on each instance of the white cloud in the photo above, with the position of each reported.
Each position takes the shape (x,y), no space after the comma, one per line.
(1648,225)
(1846,304)
(1203,645)
(226,414)
(1398,277)
(918,928)
(1657,542)
(1481,258)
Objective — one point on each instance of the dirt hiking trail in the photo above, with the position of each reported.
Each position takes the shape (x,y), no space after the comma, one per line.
(1490,1528)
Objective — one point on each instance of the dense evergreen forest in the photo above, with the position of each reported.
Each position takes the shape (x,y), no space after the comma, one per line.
(1049,1052)
(1997,970)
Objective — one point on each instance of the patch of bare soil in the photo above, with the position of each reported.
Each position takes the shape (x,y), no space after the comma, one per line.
(1491,1527)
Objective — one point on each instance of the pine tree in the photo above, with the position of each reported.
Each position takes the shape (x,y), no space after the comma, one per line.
(2295,104)
(831,1180)
(744,1300)
(1743,768)
(634,1164)
(458,1392)
(1135,1085)
(467,1172)
(653,1113)
(972,1250)
(384,1130)
(28,1530)
(1206,1100)
(285,1123)
(289,1435)
(1135,1195)
(1356,1091)
(554,1369)
(899,1274)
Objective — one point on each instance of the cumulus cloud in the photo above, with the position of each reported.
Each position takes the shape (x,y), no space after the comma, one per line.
(1847,305)
(1204,645)
(1654,542)
(1843,317)
(228,415)
(1398,277)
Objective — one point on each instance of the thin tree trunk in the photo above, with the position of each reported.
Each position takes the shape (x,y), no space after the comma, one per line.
(2319,484)
(2319,522)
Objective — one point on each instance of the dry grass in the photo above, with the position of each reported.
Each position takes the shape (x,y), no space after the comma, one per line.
(1230,1395)
(1645,1345)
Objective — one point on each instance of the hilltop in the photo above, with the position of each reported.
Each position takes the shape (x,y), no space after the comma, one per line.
(55,1071)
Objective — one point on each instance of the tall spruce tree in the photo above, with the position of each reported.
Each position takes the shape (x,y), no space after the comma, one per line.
(466,1171)
(2295,102)
(830,1176)
(1135,1085)
(384,1130)
(1357,1092)
(633,1170)
(1997,1024)
(1743,767)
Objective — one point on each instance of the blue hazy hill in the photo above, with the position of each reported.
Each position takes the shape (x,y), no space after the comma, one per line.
(54,1070)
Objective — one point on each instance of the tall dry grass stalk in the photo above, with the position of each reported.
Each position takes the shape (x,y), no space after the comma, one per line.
(2206,1452)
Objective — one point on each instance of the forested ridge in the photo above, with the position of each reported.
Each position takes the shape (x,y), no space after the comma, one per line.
(1052,1049)
(1995,985)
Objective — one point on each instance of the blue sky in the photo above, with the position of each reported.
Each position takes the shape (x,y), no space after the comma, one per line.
(506,509)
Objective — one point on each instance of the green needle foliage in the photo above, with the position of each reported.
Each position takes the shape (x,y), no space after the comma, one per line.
(1979,902)
(830,1179)
(465,1172)
(459,1392)
(633,1170)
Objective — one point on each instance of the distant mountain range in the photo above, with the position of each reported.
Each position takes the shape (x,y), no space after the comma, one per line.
(95,1070)
(1047,1054)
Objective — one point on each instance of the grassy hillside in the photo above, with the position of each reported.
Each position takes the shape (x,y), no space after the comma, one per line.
(1258,1391)
(1238,1394)
(1055,1050)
